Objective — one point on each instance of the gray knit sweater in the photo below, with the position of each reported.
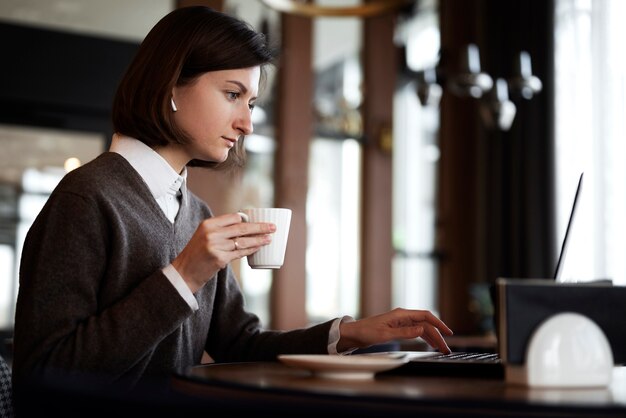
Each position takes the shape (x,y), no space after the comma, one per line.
(93,300)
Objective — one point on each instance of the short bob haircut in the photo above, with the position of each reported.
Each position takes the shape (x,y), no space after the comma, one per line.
(183,45)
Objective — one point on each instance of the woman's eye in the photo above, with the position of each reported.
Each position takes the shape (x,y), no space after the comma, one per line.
(251,106)
(232,95)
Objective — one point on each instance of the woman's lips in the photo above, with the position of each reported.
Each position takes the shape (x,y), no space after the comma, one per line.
(231,141)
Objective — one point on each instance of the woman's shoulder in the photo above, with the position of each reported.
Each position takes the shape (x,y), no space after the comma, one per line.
(106,171)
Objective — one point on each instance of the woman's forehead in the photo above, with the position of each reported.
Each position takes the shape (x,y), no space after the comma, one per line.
(248,77)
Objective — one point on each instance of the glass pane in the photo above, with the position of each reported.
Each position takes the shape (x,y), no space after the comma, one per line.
(7,285)
(257,189)
(415,159)
(333,229)
(590,96)
(332,258)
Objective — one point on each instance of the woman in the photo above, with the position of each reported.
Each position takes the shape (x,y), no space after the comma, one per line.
(126,274)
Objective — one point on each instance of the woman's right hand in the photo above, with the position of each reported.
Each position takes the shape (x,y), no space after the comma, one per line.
(216,242)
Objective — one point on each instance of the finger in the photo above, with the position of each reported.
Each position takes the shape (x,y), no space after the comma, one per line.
(254,242)
(249,229)
(225,220)
(439,324)
(435,339)
(431,319)
(248,244)
(429,340)
(424,335)
(223,229)
(228,245)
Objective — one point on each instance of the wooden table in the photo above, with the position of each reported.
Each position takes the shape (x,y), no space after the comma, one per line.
(273,389)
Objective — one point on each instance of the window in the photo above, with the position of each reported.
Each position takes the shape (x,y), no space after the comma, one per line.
(415,158)
(333,213)
(590,92)
(332,283)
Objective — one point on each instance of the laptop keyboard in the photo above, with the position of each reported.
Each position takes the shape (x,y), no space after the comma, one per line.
(460,363)
(471,357)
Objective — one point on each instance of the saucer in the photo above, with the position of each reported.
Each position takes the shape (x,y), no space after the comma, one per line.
(341,367)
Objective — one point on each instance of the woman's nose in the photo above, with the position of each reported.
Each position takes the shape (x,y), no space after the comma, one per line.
(244,122)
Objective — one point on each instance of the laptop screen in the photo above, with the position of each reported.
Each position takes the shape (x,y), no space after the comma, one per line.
(568,231)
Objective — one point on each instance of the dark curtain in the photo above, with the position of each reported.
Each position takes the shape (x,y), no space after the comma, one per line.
(520,162)
(496,196)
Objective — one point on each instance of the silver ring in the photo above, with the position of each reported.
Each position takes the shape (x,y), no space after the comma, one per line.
(236,244)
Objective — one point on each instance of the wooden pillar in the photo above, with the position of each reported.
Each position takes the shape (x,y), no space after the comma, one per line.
(380,66)
(294,126)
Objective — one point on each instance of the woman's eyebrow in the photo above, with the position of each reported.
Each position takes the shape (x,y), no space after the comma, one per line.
(243,88)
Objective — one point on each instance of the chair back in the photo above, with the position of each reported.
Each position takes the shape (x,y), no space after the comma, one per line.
(6,390)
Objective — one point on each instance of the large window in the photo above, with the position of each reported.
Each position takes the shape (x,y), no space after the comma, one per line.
(333,229)
(333,213)
(415,158)
(591,135)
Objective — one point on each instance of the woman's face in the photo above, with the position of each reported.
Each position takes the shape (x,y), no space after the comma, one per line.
(215,110)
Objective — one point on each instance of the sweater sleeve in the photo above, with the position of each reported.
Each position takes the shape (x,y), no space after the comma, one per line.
(237,335)
(61,326)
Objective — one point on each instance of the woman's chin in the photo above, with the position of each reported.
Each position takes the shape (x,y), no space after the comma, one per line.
(216,159)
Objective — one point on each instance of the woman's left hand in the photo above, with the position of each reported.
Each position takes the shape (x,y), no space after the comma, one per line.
(216,242)
(393,325)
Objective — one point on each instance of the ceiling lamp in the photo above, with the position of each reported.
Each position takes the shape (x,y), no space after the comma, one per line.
(471,81)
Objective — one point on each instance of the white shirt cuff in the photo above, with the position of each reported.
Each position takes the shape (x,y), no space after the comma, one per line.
(179,284)
(334,336)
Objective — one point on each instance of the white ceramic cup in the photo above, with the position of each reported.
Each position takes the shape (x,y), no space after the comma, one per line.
(272,255)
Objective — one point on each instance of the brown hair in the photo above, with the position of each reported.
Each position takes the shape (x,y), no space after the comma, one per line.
(183,45)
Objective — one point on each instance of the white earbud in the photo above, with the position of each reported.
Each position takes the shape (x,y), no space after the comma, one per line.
(174,108)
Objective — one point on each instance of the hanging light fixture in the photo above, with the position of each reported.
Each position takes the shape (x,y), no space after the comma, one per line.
(429,91)
(497,110)
(471,81)
(524,83)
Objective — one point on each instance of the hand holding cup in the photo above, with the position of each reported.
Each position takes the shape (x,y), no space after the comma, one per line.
(270,256)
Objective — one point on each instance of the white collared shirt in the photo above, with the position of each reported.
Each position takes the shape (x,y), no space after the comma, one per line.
(167,187)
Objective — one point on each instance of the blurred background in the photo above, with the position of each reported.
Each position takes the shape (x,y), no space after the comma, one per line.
(427,147)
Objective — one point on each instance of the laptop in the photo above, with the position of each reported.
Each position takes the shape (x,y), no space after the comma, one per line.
(474,364)
(559,264)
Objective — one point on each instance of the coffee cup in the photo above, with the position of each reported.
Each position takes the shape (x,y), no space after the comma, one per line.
(272,255)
